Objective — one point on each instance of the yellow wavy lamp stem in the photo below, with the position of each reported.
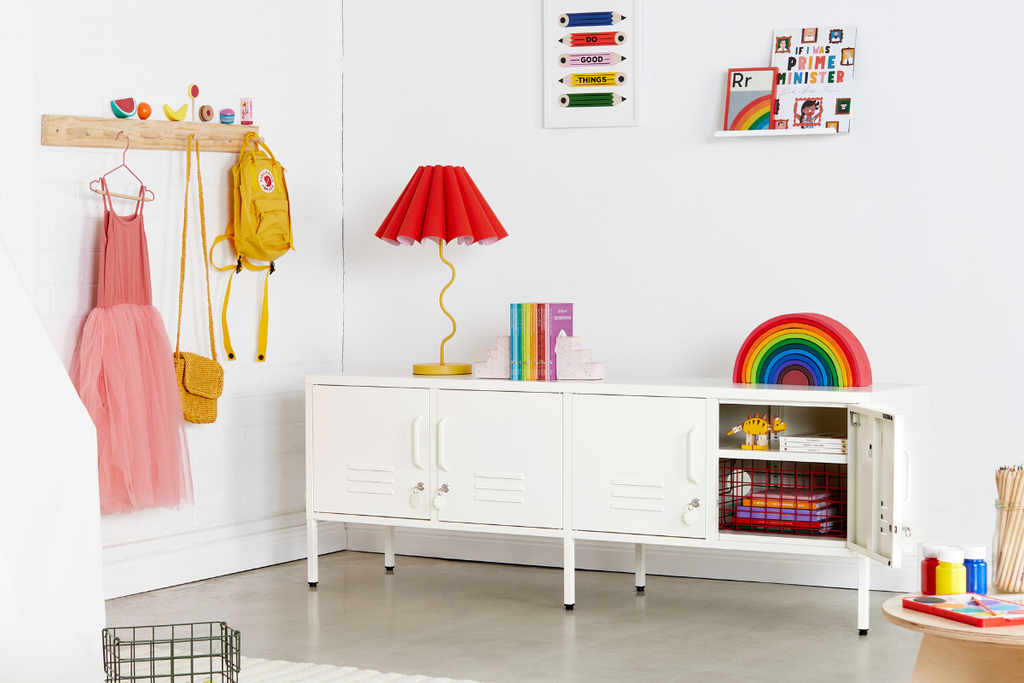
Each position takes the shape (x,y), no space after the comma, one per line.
(440,299)
(443,368)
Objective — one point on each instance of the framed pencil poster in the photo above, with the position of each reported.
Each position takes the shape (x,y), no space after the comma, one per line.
(592,63)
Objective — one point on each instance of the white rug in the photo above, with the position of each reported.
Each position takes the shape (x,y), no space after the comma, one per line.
(268,671)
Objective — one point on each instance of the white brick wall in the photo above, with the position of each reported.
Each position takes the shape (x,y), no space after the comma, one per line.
(73,58)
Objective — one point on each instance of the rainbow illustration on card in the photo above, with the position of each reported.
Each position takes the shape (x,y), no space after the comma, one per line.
(802,349)
(754,116)
(750,99)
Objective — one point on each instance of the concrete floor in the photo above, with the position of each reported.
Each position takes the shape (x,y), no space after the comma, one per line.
(506,624)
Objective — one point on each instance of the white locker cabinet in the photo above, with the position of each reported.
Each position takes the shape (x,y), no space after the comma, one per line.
(639,465)
(499,457)
(370,450)
(641,462)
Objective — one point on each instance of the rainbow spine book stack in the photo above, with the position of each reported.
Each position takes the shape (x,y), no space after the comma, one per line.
(534,329)
(800,508)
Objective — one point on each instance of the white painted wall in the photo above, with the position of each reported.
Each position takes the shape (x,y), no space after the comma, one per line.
(70,57)
(674,245)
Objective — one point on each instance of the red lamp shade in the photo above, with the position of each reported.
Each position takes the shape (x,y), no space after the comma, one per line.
(441,203)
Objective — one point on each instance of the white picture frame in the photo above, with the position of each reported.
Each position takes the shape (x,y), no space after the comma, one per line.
(562,101)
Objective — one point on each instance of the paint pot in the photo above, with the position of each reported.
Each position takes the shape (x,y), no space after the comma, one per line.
(928,566)
(977,569)
(950,575)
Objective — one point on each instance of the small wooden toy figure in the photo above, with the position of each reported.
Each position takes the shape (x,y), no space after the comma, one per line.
(757,429)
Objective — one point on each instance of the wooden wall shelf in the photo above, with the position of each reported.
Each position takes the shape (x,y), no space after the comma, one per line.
(94,131)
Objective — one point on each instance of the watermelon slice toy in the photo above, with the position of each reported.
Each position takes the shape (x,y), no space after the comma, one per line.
(123,108)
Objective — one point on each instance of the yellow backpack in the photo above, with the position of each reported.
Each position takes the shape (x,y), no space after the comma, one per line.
(260,228)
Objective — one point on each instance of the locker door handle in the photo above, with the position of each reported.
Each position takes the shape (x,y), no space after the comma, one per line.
(416,442)
(691,447)
(440,444)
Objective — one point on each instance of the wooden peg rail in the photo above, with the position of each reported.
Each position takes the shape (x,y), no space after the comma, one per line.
(93,131)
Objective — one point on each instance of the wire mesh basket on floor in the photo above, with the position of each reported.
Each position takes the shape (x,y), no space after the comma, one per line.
(174,653)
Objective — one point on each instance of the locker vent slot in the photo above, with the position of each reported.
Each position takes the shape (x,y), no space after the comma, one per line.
(640,507)
(643,495)
(639,482)
(366,489)
(492,498)
(371,479)
(498,486)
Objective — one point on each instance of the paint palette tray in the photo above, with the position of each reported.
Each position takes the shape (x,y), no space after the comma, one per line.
(782,497)
(964,609)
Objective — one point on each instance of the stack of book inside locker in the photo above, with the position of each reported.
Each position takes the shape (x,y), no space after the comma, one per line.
(813,509)
(834,444)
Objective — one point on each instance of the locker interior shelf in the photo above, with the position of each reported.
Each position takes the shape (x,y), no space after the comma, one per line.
(775,454)
(748,539)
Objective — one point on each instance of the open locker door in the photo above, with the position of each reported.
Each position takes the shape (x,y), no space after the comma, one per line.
(875,477)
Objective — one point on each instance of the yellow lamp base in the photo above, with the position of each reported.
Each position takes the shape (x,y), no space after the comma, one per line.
(442,368)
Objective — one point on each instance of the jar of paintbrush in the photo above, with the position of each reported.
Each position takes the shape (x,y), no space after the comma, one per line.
(1008,546)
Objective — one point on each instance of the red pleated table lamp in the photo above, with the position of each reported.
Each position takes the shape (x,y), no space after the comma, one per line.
(441,203)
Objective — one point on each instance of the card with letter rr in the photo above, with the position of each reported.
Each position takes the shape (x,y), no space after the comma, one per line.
(750,99)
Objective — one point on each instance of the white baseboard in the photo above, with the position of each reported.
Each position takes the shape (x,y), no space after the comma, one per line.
(802,570)
(171,561)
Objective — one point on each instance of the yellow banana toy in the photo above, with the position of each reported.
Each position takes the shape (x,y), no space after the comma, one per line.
(173,115)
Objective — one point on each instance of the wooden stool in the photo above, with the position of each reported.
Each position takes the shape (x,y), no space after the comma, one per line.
(955,652)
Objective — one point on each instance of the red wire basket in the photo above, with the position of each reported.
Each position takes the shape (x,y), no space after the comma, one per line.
(782,497)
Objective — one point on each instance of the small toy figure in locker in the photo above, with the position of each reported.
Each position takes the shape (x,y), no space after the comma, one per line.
(810,114)
(757,429)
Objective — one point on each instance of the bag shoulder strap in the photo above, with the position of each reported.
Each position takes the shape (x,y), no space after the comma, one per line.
(184,236)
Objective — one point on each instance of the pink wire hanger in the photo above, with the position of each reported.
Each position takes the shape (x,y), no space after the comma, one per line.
(137,198)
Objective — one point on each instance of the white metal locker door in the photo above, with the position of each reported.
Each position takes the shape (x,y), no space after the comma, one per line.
(500,454)
(370,451)
(876,485)
(639,465)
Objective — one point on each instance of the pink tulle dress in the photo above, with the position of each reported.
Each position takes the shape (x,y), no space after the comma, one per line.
(124,373)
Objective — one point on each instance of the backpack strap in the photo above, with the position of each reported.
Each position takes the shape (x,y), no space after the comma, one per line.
(261,351)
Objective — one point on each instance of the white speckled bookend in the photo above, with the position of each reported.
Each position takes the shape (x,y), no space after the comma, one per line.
(574,361)
(497,365)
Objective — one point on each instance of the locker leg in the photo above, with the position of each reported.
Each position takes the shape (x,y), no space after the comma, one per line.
(641,567)
(863,595)
(389,548)
(569,571)
(312,553)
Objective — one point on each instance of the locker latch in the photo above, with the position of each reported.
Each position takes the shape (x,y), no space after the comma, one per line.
(690,517)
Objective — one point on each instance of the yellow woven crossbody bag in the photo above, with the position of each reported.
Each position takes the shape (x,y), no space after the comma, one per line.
(200,379)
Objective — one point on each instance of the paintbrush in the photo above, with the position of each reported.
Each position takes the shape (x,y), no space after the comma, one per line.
(976,600)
